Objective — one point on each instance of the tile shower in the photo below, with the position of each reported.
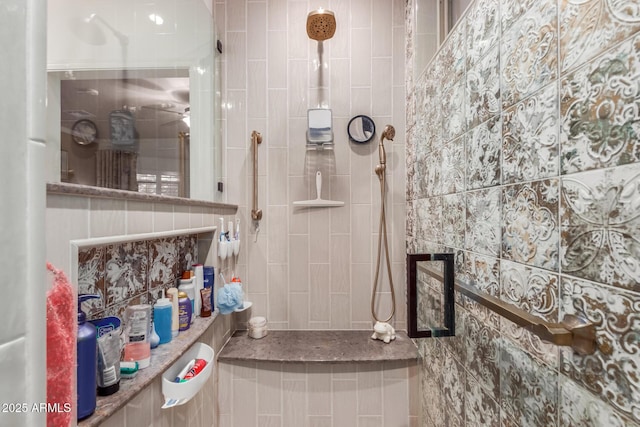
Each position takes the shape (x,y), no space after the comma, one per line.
(523,159)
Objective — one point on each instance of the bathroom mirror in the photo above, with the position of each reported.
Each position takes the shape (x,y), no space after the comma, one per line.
(147,80)
(361,129)
(430,281)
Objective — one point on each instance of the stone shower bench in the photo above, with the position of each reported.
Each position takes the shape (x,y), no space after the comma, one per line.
(318,346)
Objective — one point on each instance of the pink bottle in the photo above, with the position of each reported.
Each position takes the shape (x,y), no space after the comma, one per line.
(137,325)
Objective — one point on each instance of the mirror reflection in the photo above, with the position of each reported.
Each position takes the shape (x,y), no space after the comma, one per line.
(361,129)
(141,137)
(131,97)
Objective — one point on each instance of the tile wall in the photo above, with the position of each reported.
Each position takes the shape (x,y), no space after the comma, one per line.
(22,339)
(314,268)
(265,394)
(523,159)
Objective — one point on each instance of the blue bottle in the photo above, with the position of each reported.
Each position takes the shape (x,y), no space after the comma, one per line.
(209,276)
(87,362)
(162,312)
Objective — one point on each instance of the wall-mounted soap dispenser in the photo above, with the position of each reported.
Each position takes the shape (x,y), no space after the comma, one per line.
(320,128)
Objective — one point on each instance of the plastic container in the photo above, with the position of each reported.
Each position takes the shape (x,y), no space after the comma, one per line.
(172,293)
(209,275)
(184,311)
(180,393)
(163,318)
(189,287)
(108,337)
(137,327)
(257,327)
(87,348)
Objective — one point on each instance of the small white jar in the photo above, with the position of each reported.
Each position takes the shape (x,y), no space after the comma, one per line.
(257,327)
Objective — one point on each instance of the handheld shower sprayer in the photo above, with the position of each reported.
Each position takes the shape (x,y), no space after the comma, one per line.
(389,133)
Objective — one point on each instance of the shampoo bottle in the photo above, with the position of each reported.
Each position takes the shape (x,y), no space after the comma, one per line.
(87,362)
(162,318)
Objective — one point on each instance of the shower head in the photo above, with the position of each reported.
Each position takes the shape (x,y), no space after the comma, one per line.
(389,133)
(321,24)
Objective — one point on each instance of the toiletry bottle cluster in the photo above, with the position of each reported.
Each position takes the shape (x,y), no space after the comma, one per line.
(99,363)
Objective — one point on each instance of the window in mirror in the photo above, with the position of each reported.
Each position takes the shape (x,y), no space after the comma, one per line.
(430,281)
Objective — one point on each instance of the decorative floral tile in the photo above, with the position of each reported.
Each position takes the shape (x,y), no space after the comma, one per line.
(455,345)
(531,289)
(480,407)
(613,371)
(431,391)
(530,231)
(453,389)
(433,114)
(483,89)
(453,111)
(482,357)
(429,219)
(483,29)
(453,166)
(484,273)
(125,271)
(483,222)
(91,279)
(590,27)
(535,291)
(528,389)
(119,308)
(600,214)
(187,251)
(512,10)
(529,52)
(450,62)
(530,141)
(483,155)
(579,408)
(599,111)
(453,224)
(164,264)
(433,183)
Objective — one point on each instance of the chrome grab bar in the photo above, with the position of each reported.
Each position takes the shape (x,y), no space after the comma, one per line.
(256,138)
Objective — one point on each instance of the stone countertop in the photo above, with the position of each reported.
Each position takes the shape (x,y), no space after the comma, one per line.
(327,346)
(162,357)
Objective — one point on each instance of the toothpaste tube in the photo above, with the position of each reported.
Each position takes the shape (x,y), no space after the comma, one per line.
(195,369)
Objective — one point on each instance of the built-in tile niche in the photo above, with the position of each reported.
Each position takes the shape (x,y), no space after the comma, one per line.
(132,272)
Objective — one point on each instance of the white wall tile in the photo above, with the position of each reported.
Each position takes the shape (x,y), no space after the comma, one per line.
(162,217)
(299,310)
(107,217)
(257,30)
(319,292)
(257,89)
(294,403)
(297,30)
(245,400)
(361,57)
(236,15)
(278,293)
(299,263)
(277,177)
(344,411)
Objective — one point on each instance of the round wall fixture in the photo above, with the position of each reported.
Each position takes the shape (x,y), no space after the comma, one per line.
(361,129)
(84,132)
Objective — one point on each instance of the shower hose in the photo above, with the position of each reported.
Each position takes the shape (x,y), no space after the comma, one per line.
(382,233)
